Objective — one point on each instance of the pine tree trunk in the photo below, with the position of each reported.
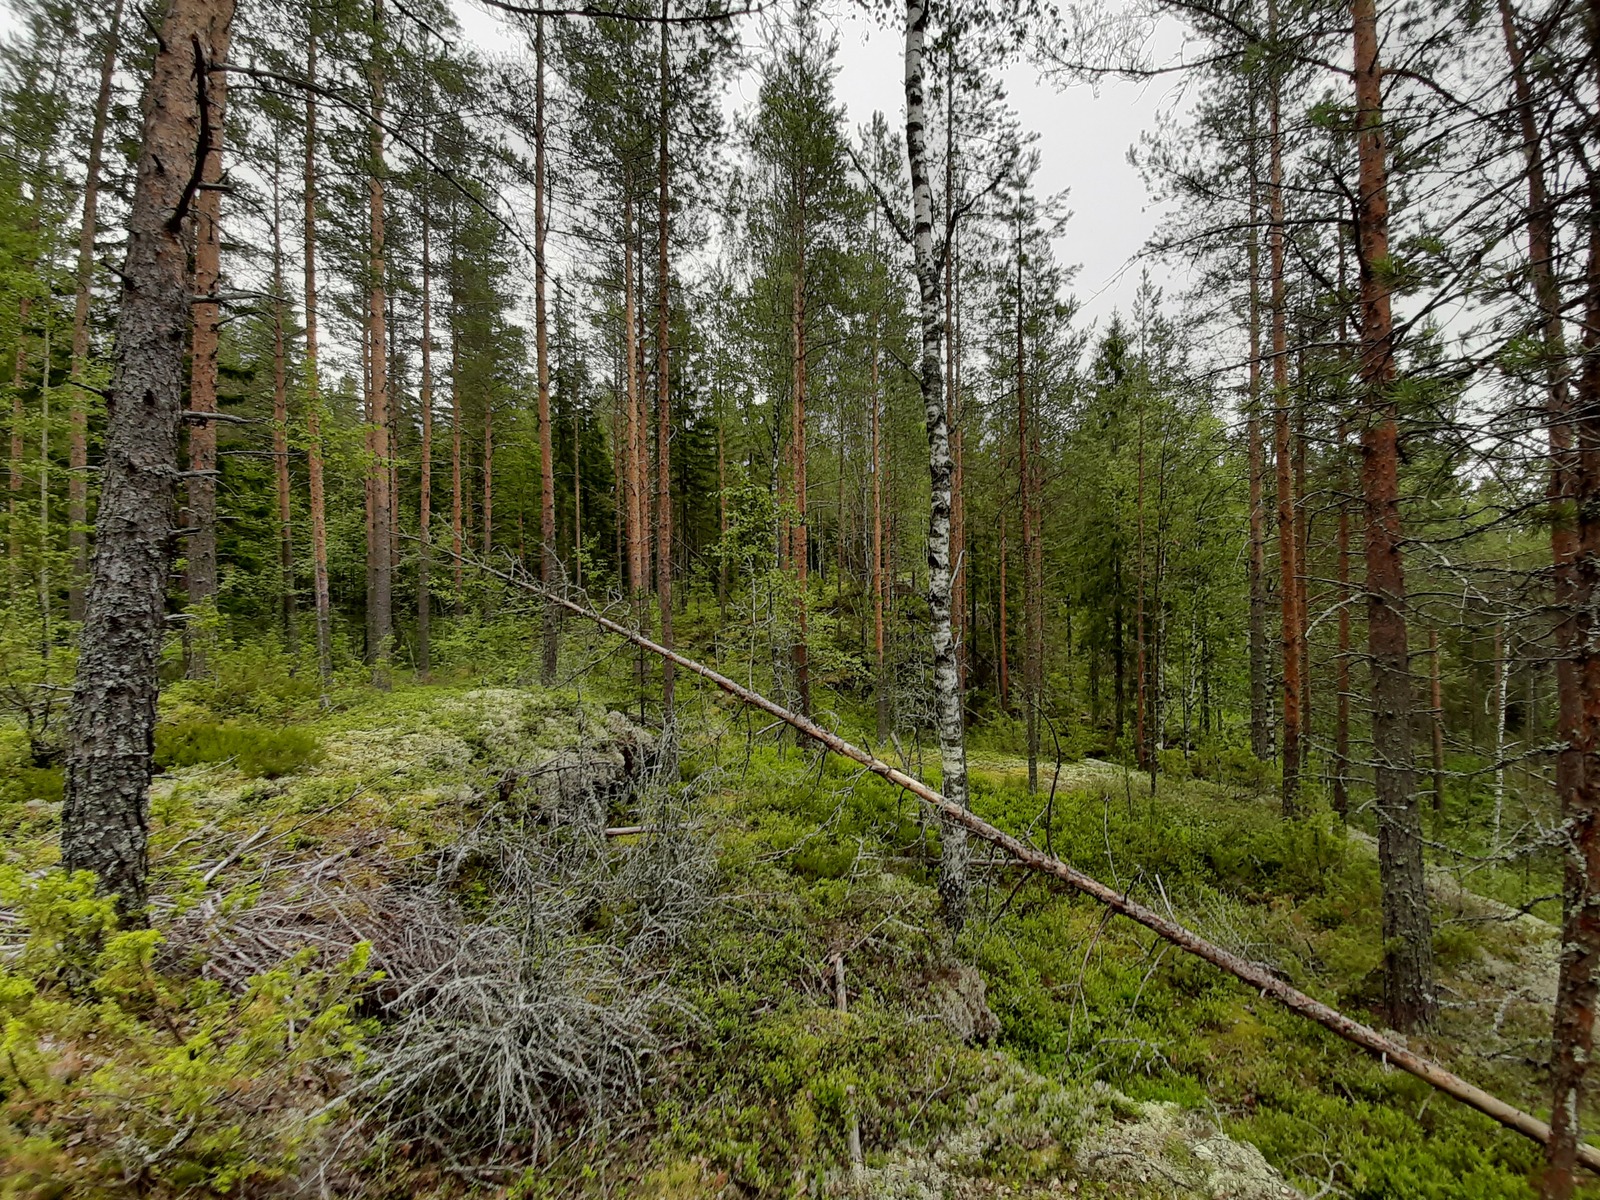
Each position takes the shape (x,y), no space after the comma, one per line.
(1579,983)
(111,724)
(954,885)
(547,463)
(1573,1030)
(202,486)
(380,511)
(78,482)
(722,513)
(425,482)
(1288,568)
(664,386)
(1341,729)
(18,442)
(1025,505)
(1141,749)
(457,515)
(1407,928)
(1002,633)
(1437,721)
(1302,558)
(280,417)
(799,550)
(486,540)
(1260,653)
(880,676)
(319,508)
(630,454)
(1578,583)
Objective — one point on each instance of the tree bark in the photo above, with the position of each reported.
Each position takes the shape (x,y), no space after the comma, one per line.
(631,455)
(1288,568)
(457,515)
(202,484)
(78,481)
(1569,473)
(547,460)
(1341,728)
(280,415)
(799,549)
(1577,583)
(319,510)
(1436,718)
(18,442)
(1032,651)
(664,382)
(380,558)
(1409,997)
(111,724)
(880,675)
(1260,653)
(425,482)
(954,884)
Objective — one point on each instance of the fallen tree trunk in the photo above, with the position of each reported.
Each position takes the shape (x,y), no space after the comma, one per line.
(1255,974)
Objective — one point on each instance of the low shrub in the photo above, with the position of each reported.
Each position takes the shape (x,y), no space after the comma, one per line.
(259,751)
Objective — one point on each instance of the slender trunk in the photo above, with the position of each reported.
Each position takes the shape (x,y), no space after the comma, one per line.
(1025,505)
(1579,982)
(319,519)
(1578,580)
(280,417)
(1407,929)
(1502,680)
(1574,1015)
(880,677)
(1288,568)
(486,540)
(111,724)
(799,550)
(380,618)
(722,513)
(664,387)
(953,873)
(425,482)
(457,515)
(1302,557)
(44,496)
(18,440)
(1141,750)
(78,481)
(1260,652)
(202,484)
(1436,720)
(1341,728)
(547,460)
(630,321)
(1003,636)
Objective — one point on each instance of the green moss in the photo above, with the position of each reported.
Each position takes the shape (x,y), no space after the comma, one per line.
(258,751)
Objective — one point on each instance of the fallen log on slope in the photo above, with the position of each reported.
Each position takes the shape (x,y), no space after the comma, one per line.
(1256,975)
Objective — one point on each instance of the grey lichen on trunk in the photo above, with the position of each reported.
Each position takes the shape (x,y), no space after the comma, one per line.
(111,726)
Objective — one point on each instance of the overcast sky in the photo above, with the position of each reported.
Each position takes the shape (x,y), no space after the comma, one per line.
(1083,138)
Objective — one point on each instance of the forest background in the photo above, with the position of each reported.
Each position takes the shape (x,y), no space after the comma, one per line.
(816,400)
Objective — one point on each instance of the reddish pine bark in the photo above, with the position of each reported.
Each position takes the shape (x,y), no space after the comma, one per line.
(1409,997)
(78,481)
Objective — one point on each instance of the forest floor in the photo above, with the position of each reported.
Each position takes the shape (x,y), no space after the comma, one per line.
(455,939)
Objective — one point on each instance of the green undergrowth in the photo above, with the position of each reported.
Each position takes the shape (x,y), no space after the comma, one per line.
(125,1070)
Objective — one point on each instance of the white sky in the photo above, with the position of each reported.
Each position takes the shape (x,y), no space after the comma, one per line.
(1083,138)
